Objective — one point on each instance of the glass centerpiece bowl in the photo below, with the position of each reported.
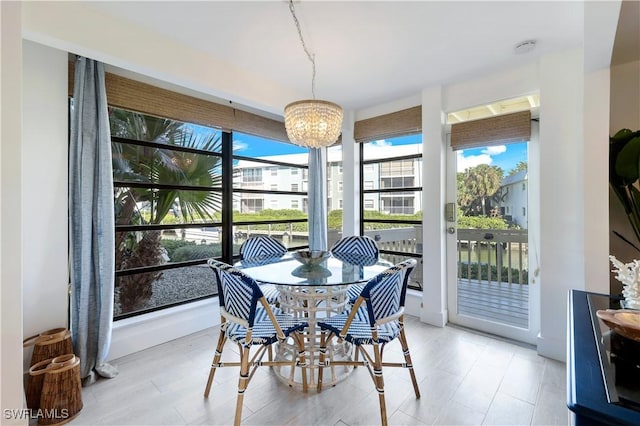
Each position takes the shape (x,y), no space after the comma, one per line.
(311,258)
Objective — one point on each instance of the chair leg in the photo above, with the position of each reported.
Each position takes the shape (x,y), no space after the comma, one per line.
(216,359)
(407,359)
(379,381)
(322,350)
(299,339)
(355,355)
(242,383)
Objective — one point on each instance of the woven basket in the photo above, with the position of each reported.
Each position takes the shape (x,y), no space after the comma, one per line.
(34,383)
(49,344)
(61,398)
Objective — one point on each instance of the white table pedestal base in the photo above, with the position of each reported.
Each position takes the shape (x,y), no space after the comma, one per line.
(311,303)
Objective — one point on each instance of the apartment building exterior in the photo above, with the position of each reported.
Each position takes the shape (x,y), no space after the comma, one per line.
(385,175)
(513,205)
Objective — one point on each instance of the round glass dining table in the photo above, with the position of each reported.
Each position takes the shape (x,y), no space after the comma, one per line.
(313,292)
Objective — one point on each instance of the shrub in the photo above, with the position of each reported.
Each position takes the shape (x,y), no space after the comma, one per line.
(515,273)
(172,245)
(481,222)
(195,252)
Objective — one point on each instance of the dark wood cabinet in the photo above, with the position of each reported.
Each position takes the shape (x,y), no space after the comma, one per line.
(593,396)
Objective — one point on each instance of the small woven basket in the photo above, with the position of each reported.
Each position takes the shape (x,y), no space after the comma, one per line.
(34,383)
(49,344)
(61,398)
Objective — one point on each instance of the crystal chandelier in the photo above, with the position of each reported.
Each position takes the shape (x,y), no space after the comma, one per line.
(311,123)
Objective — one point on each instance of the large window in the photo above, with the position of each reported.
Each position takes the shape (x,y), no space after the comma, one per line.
(391,198)
(175,206)
(168,200)
(286,219)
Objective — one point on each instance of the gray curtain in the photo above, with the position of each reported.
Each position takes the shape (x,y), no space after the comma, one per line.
(91,222)
(317,199)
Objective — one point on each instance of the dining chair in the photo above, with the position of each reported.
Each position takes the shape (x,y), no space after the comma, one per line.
(260,249)
(375,319)
(248,320)
(356,249)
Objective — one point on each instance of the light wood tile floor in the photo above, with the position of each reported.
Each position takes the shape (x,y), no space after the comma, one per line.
(465,379)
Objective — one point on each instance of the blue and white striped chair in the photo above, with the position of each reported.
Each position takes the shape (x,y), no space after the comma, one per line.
(356,249)
(356,244)
(261,246)
(248,320)
(375,320)
(262,249)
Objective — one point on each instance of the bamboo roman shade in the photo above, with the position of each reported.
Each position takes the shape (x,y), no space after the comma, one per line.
(147,99)
(399,123)
(498,130)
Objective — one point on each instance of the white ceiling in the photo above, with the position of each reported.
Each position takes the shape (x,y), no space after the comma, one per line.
(367,52)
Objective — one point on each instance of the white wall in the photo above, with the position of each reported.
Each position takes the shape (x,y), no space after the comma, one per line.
(44,189)
(11,222)
(596,178)
(434,305)
(561,194)
(625,97)
(71,26)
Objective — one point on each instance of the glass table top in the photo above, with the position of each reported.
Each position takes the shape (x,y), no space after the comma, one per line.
(286,270)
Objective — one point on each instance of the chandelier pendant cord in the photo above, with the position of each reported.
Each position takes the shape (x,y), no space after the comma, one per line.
(304,46)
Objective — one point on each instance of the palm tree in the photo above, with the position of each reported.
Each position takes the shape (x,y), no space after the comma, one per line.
(139,205)
(521,166)
(482,182)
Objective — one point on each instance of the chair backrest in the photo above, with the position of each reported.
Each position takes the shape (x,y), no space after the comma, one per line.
(261,246)
(239,293)
(385,293)
(356,244)
(356,259)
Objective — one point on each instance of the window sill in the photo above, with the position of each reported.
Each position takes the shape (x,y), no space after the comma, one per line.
(144,331)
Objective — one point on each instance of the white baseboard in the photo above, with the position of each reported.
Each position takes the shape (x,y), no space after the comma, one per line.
(552,348)
(413,306)
(413,303)
(141,332)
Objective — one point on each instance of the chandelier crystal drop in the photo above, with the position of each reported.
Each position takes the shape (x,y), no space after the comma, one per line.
(312,123)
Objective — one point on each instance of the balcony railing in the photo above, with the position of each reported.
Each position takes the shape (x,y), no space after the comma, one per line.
(493,275)
(493,255)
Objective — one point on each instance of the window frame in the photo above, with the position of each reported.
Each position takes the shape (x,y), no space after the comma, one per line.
(368,166)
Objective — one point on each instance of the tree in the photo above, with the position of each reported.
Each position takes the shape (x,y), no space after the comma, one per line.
(481,183)
(139,205)
(465,198)
(521,166)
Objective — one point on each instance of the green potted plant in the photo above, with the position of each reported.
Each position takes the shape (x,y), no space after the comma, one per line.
(624,172)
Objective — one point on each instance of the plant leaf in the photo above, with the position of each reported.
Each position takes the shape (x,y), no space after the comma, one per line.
(627,161)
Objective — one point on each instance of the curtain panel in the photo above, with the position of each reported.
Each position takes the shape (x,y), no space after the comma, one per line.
(91,222)
(317,193)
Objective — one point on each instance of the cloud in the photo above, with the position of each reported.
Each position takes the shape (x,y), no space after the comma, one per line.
(494,150)
(380,143)
(239,145)
(463,162)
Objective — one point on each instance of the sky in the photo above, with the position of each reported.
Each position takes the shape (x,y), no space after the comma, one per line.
(504,156)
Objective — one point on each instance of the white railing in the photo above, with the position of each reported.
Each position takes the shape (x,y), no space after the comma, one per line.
(407,239)
(493,255)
